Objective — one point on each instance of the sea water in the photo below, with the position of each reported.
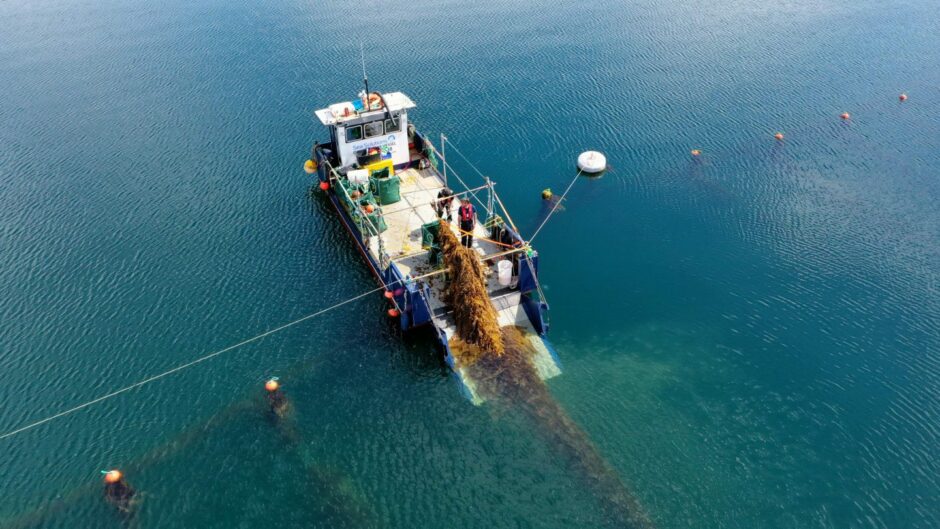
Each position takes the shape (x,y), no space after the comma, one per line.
(751,338)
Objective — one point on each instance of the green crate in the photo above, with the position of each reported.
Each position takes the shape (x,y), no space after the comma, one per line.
(388,190)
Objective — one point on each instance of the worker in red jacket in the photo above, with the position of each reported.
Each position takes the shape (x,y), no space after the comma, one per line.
(467,216)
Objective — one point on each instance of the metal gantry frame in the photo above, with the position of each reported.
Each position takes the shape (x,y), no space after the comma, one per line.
(490,204)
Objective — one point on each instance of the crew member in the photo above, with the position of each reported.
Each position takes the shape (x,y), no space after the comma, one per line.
(467,217)
(445,198)
(117,491)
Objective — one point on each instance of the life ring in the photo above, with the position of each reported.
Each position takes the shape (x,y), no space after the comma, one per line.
(375,100)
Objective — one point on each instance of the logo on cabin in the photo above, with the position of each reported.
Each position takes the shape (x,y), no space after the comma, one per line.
(376,142)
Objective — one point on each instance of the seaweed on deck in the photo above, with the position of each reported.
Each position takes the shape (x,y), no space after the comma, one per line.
(466,293)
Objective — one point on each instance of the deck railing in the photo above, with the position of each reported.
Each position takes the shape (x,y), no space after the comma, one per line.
(383,257)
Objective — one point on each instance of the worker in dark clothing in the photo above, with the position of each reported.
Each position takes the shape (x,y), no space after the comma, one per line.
(467,215)
(445,198)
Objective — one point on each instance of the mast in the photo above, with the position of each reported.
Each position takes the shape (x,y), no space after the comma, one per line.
(365,78)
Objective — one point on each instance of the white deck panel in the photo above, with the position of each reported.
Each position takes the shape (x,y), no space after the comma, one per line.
(336,113)
(404,220)
(419,189)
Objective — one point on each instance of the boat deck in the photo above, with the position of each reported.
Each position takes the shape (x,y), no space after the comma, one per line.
(368,128)
(402,239)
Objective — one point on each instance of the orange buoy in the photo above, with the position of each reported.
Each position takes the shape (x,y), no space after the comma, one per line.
(696,152)
(272,385)
(393,313)
(310,166)
(779,136)
(388,294)
(324,186)
(113,476)
(369,208)
(845,115)
(902,97)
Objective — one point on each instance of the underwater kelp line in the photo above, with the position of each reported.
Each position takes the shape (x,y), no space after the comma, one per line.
(336,491)
(499,360)
(339,499)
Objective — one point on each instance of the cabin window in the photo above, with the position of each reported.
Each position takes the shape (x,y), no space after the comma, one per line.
(353,133)
(373,129)
(392,125)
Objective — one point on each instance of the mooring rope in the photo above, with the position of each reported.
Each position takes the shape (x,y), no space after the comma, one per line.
(529,242)
(560,200)
(269,332)
(184,366)
(580,171)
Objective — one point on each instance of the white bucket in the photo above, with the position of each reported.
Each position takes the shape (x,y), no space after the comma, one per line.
(358,176)
(504,272)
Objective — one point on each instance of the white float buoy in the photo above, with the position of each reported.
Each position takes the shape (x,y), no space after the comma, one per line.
(592,162)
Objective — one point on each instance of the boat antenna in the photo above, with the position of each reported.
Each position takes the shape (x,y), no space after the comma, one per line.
(365,78)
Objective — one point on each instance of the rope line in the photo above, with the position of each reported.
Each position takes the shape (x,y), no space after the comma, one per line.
(560,200)
(464,184)
(464,157)
(183,366)
(497,243)
(538,284)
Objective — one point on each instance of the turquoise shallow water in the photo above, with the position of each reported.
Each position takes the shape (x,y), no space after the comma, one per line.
(751,339)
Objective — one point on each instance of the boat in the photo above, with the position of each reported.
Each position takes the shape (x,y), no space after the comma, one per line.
(383,177)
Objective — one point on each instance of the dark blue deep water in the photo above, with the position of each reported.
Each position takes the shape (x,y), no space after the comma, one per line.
(751,339)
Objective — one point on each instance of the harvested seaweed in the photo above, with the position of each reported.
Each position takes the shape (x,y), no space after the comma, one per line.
(499,360)
(511,379)
(466,293)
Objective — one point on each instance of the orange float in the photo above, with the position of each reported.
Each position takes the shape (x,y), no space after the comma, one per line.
(271,385)
(779,136)
(324,186)
(845,115)
(113,476)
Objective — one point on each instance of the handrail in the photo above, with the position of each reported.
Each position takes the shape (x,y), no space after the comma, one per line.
(386,213)
(454,172)
(381,256)
(506,212)
(483,258)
